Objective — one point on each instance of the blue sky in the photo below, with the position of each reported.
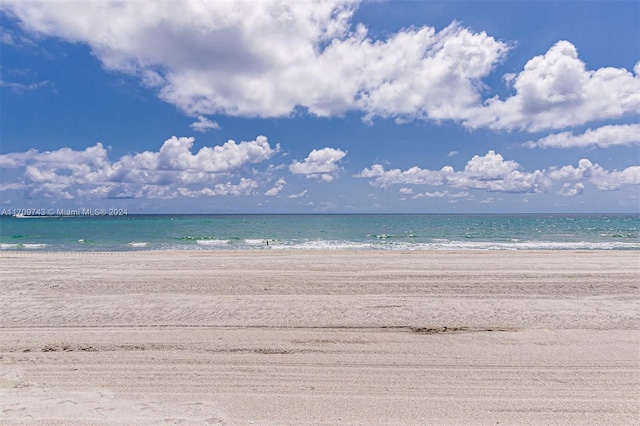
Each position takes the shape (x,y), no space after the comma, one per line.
(338,107)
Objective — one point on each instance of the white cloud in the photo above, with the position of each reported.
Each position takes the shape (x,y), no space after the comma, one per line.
(603,137)
(268,58)
(555,90)
(244,187)
(490,167)
(436,194)
(203,124)
(102,191)
(95,156)
(277,187)
(237,58)
(419,73)
(298,195)
(172,171)
(10,186)
(569,190)
(7,37)
(492,172)
(175,155)
(441,194)
(413,176)
(10,38)
(52,190)
(459,195)
(319,164)
(595,174)
(406,191)
(23,87)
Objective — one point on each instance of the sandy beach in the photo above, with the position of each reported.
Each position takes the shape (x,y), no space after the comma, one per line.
(316,337)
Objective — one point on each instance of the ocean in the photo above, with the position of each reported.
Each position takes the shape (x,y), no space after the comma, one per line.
(82,233)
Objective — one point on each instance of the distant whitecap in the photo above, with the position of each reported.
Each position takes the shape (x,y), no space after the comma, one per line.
(34,246)
(255,242)
(212,242)
(134,244)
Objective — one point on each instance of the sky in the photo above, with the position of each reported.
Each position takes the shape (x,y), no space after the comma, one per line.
(320,107)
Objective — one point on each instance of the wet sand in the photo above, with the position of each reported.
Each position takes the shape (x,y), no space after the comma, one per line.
(312,337)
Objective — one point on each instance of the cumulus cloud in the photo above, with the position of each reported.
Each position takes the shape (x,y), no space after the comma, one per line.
(603,137)
(95,156)
(273,58)
(594,173)
(555,90)
(203,124)
(413,176)
(423,74)
(243,187)
(492,172)
(172,171)
(268,58)
(320,164)
(571,190)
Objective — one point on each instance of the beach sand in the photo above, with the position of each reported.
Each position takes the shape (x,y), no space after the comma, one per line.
(313,337)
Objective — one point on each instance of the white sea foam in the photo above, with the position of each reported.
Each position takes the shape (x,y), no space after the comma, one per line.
(212,242)
(135,244)
(327,245)
(394,245)
(255,242)
(443,244)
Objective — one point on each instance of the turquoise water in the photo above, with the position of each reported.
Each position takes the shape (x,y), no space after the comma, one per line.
(360,232)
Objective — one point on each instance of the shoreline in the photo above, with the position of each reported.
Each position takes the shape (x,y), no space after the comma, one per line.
(294,250)
(320,337)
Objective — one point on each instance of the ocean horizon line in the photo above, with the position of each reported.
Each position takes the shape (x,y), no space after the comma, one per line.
(78,213)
